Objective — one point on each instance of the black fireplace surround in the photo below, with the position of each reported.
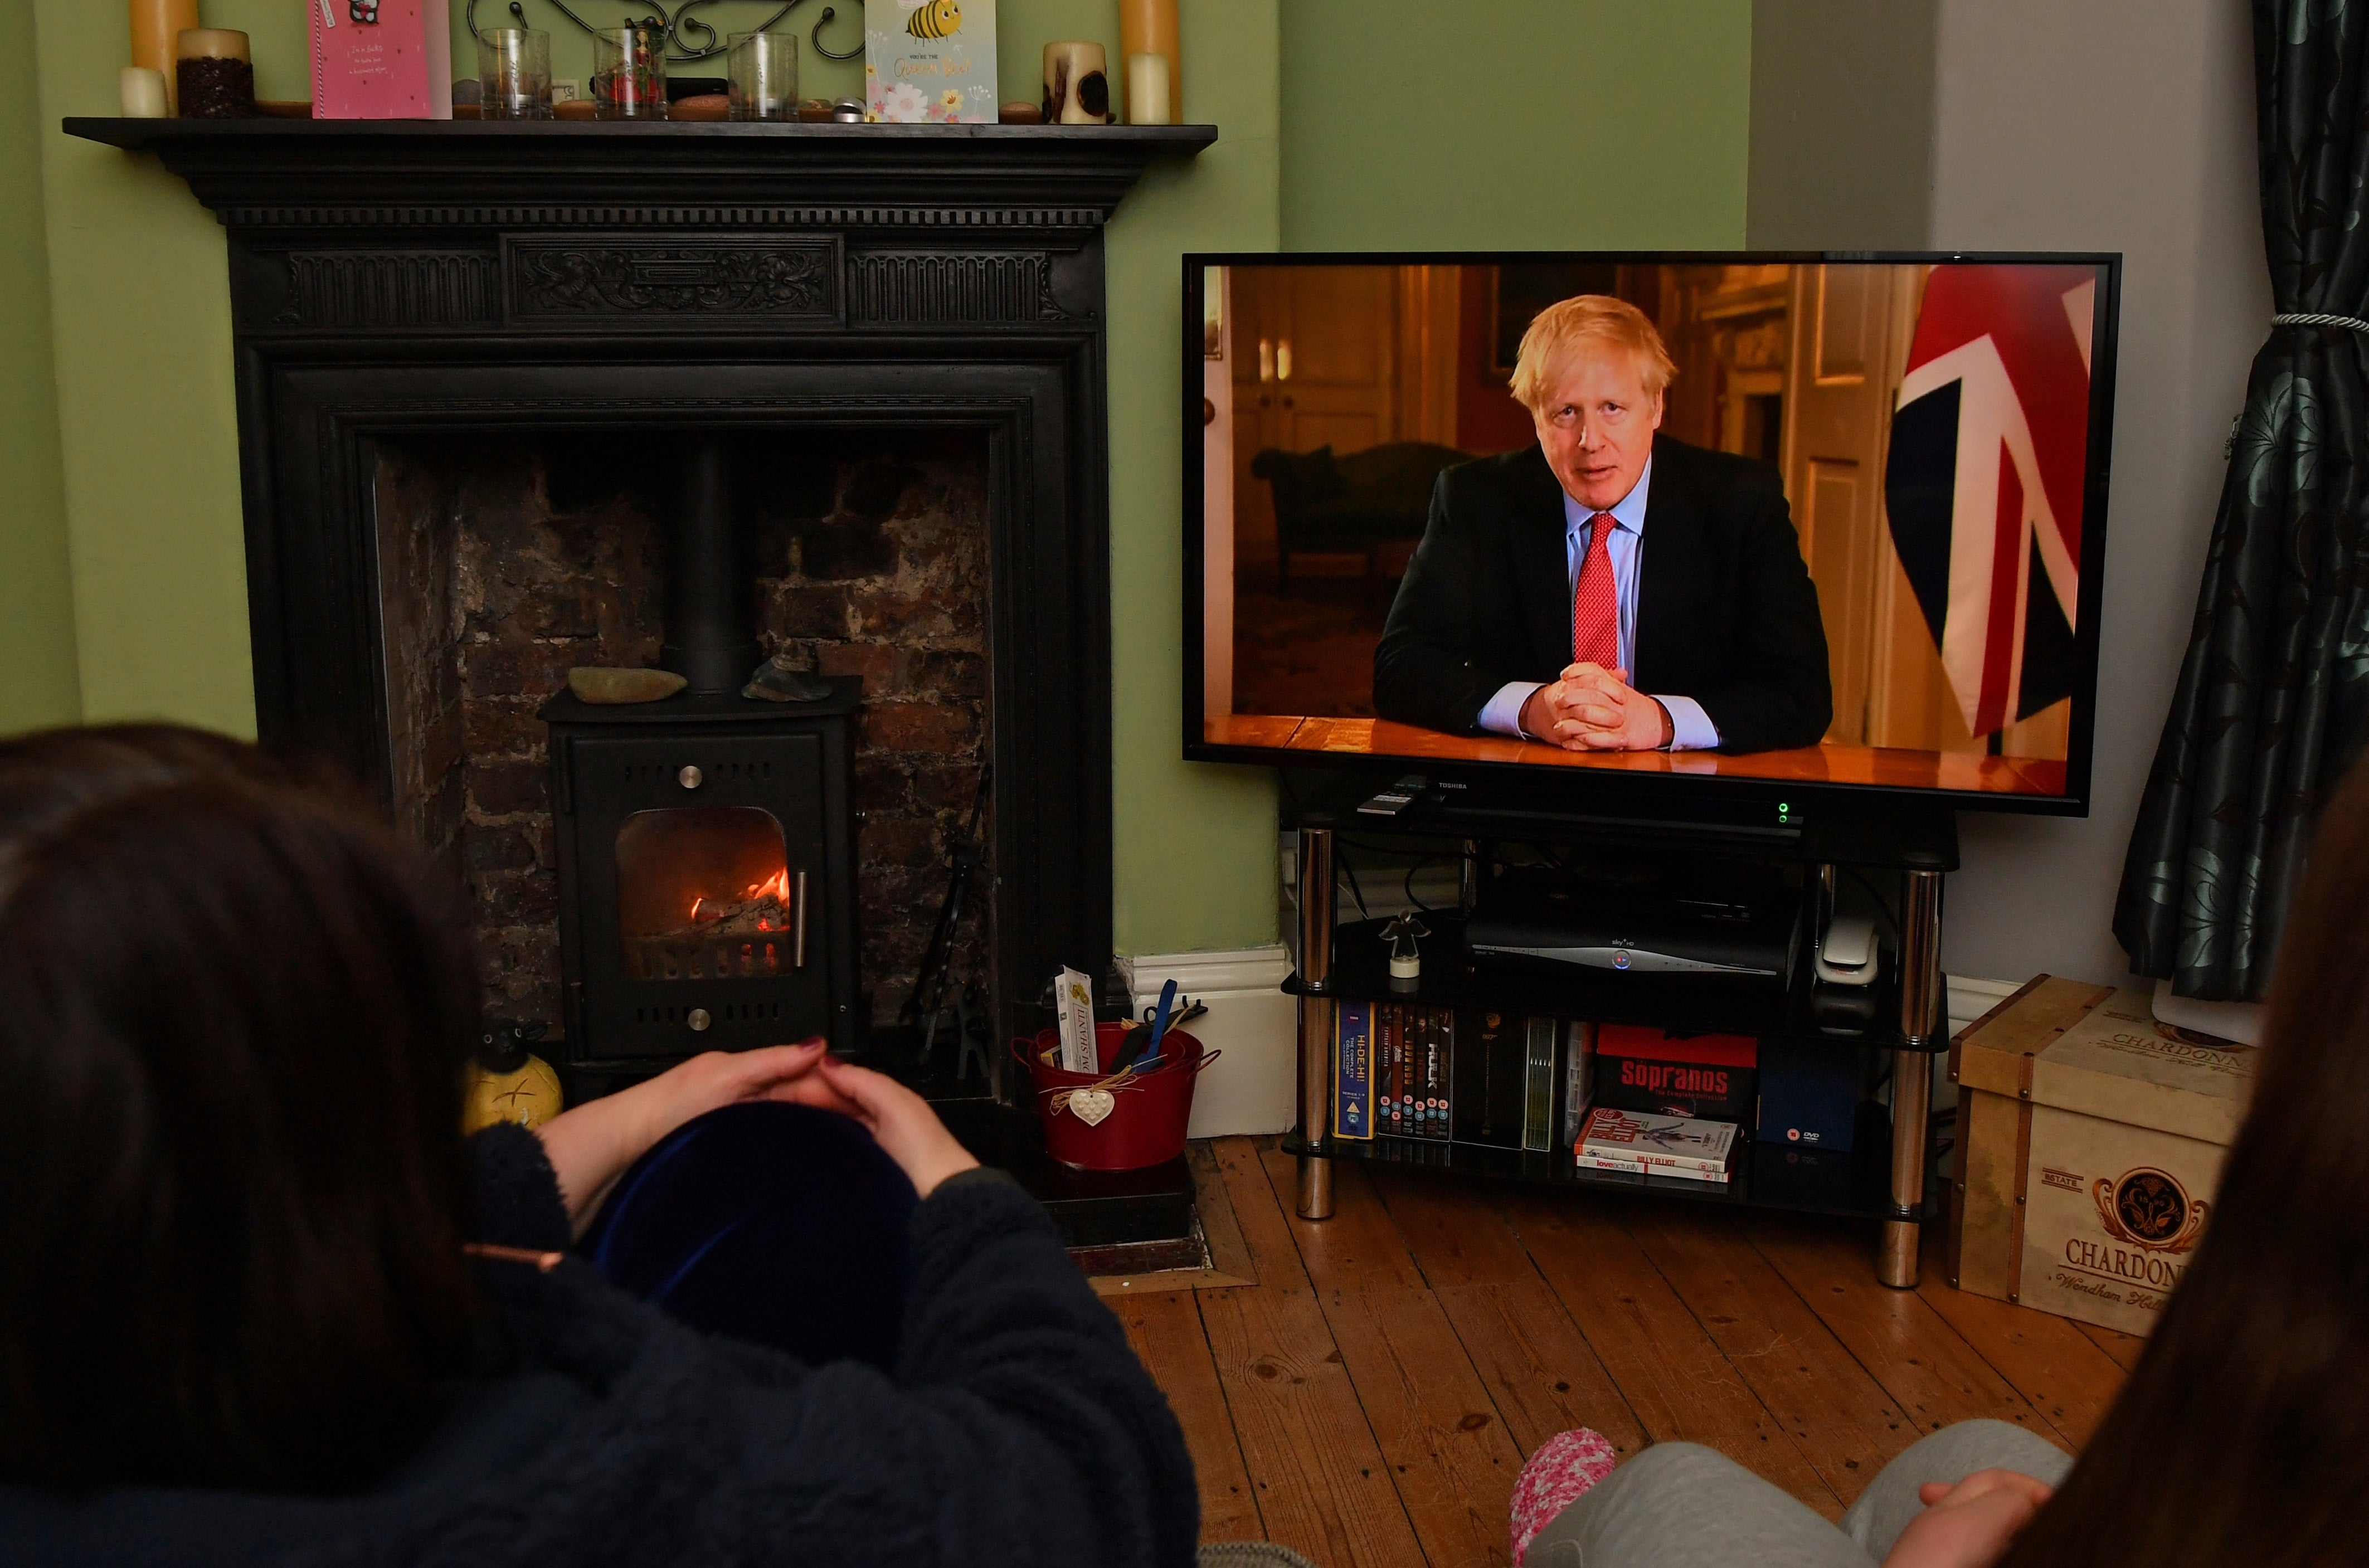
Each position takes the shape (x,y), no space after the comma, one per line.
(398,279)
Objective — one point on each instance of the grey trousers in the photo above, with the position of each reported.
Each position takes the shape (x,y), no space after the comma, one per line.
(1681,1505)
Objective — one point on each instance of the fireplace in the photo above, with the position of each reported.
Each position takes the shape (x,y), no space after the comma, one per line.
(403,289)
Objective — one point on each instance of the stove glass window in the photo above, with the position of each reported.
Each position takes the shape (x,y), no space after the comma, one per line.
(707,892)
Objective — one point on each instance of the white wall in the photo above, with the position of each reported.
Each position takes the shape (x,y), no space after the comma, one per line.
(2110,125)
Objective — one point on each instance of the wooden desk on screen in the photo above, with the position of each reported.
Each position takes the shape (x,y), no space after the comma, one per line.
(1829,763)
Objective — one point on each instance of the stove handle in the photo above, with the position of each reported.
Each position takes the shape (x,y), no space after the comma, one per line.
(799,919)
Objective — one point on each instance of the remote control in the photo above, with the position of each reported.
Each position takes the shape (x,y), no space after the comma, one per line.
(1396,798)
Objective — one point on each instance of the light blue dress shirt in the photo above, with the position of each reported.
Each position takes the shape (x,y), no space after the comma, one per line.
(1690,727)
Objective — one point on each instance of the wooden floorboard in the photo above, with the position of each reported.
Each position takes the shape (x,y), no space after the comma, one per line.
(1369,1399)
(2066,1375)
(1677,1379)
(1923,1364)
(1450,1455)
(1837,1416)
(2123,1348)
(1538,1366)
(1316,1470)
(1166,1331)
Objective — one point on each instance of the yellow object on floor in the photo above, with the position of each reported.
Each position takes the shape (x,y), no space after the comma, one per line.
(529,1097)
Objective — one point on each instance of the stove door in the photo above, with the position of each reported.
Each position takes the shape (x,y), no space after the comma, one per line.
(702,893)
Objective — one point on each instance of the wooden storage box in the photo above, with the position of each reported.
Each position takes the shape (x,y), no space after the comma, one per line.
(2089,1145)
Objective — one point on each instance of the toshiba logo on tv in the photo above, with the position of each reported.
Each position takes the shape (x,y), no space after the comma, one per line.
(1661,1078)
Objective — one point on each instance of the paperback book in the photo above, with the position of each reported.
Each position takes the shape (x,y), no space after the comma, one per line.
(1676,1142)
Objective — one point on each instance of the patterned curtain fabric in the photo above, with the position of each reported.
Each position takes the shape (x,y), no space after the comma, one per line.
(2274,695)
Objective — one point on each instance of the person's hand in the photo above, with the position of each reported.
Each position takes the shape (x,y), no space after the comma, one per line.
(590,1145)
(716,1079)
(1970,1525)
(1590,708)
(900,1122)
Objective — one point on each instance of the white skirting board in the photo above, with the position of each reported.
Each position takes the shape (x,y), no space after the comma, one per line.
(1252,1087)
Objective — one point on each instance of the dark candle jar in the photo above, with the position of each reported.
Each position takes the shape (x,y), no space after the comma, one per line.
(213,74)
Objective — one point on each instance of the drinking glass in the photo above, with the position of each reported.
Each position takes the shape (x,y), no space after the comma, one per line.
(629,74)
(764,75)
(514,73)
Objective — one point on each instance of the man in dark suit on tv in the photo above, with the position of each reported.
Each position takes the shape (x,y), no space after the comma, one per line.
(1609,588)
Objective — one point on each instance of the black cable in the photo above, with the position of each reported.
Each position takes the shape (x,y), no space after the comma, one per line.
(1355,891)
(1882,907)
(1411,870)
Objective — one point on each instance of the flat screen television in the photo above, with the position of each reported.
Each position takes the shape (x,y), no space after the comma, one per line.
(1861,550)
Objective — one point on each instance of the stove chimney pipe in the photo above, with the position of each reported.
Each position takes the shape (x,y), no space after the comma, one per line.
(710,581)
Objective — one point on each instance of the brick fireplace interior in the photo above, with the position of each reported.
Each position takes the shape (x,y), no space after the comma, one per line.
(504,561)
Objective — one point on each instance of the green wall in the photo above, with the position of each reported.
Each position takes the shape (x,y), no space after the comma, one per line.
(1516,125)
(1398,127)
(140,318)
(38,681)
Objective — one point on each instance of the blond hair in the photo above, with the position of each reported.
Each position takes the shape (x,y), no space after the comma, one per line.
(1570,327)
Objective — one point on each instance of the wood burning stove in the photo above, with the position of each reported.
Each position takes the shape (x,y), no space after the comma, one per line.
(705,842)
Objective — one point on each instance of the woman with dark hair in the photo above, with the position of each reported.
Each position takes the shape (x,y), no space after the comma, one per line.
(259,1300)
(2242,1436)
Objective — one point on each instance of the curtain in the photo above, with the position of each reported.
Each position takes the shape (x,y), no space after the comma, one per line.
(2273,693)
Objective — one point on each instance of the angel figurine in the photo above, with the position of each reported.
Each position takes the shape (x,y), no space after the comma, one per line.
(1403,934)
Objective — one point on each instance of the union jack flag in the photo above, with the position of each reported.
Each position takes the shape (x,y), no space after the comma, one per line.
(1983,479)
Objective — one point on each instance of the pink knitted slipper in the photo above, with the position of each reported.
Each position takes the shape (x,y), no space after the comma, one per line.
(1558,1475)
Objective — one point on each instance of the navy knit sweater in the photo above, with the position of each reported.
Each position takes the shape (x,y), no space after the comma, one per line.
(1019,1429)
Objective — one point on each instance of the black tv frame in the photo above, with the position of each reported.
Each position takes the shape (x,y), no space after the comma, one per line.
(1576,786)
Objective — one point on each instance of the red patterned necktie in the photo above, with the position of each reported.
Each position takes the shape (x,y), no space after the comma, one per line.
(1596,602)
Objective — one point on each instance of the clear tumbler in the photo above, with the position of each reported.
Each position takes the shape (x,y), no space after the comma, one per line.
(514,73)
(629,74)
(764,75)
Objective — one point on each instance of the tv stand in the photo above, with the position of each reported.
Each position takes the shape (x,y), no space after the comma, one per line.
(1879,839)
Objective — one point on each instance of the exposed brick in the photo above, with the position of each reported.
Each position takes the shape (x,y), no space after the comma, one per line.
(558,609)
(932,727)
(881,785)
(520,669)
(941,673)
(947,788)
(924,618)
(885,668)
(488,848)
(873,490)
(499,789)
(897,841)
(504,727)
(518,898)
(840,548)
(799,610)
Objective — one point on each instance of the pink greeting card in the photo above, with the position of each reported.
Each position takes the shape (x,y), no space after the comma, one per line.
(381,60)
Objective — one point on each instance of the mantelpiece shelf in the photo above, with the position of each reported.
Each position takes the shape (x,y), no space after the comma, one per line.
(964,177)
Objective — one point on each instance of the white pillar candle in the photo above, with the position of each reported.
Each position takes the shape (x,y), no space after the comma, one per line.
(143,93)
(1147,89)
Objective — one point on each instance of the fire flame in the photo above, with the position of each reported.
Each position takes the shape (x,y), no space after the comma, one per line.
(776,888)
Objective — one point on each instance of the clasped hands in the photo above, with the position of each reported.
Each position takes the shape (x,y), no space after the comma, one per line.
(1590,708)
(592,1144)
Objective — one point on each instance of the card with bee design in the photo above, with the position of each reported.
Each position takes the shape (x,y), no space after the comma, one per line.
(928,62)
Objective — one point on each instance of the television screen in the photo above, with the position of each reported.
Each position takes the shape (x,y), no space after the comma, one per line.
(1794,519)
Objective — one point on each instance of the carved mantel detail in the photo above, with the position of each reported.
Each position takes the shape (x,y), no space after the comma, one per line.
(788,281)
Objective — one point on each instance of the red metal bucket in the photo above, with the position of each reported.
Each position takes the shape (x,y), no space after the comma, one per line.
(1148,1111)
